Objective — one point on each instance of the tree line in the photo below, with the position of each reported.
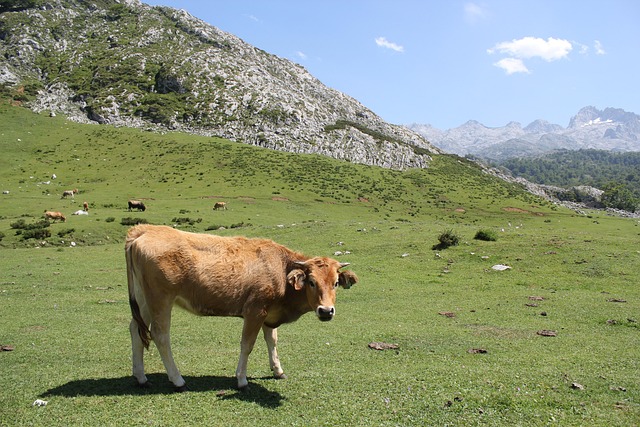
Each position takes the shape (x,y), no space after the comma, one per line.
(616,173)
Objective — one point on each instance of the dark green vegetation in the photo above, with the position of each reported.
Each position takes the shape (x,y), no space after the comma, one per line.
(616,173)
(486,235)
(471,343)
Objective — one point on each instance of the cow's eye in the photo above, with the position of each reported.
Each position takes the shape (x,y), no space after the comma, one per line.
(312,283)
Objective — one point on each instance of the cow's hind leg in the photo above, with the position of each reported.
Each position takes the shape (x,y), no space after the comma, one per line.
(137,355)
(160,328)
(137,346)
(271,337)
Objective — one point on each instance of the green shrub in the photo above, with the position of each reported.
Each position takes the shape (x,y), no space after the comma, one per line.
(109,219)
(186,220)
(447,239)
(240,225)
(21,224)
(486,235)
(66,232)
(36,233)
(133,221)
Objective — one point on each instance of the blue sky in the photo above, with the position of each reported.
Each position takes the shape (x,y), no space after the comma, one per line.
(444,62)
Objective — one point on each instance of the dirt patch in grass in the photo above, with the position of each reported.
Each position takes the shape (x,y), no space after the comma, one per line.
(519,210)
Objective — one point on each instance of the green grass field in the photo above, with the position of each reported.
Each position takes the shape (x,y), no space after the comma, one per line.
(469,352)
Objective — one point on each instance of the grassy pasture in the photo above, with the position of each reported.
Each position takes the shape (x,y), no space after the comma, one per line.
(64,309)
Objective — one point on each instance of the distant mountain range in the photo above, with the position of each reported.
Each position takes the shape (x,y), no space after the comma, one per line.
(611,129)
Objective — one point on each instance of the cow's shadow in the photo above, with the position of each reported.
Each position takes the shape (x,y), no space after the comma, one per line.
(223,387)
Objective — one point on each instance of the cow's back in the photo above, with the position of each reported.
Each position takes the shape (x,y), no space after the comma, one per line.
(208,274)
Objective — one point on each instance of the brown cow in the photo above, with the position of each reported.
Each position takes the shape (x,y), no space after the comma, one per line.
(220,205)
(70,193)
(52,215)
(135,204)
(85,206)
(256,279)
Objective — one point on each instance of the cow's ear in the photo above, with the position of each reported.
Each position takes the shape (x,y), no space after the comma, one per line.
(347,278)
(296,278)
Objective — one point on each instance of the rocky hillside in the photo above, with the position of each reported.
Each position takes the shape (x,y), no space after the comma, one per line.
(129,64)
(610,129)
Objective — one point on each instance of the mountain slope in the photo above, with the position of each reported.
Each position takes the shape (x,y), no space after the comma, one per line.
(130,64)
(609,129)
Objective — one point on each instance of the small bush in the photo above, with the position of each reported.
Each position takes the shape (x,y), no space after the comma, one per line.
(21,224)
(240,225)
(36,233)
(186,220)
(109,219)
(66,232)
(447,239)
(133,221)
(486,235)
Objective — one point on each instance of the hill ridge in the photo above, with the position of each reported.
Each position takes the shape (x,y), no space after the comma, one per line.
(131,64)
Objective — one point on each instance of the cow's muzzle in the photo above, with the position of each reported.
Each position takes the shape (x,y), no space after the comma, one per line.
(325,313)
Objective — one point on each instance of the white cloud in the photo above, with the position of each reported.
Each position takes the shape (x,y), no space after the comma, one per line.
(383,42)
(584,49)
(512,66)
(598,47)
(531,47)
(301,55)
(474,12)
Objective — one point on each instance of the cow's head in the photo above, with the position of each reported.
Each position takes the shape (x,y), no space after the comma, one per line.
(320,277)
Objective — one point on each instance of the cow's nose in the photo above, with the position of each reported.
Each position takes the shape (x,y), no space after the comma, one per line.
(325,313)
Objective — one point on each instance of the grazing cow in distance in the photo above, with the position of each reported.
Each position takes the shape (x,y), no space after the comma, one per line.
(136,204)
(85,206)
(220,205)
(70,193)
(259,280)
(54,216)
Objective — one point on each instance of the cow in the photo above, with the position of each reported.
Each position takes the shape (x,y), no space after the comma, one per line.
(220,205)
(52,215)
(259,280)
(85,206)
(135,204)
(70,193)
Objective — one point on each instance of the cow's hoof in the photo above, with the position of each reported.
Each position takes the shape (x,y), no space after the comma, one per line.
(243,389)
(281,376)
(145,385)
(181,389)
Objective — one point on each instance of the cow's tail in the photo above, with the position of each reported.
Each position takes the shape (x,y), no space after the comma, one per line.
(143,329)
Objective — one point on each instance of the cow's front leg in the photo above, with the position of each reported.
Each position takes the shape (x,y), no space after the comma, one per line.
(249,334)
(271,337)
